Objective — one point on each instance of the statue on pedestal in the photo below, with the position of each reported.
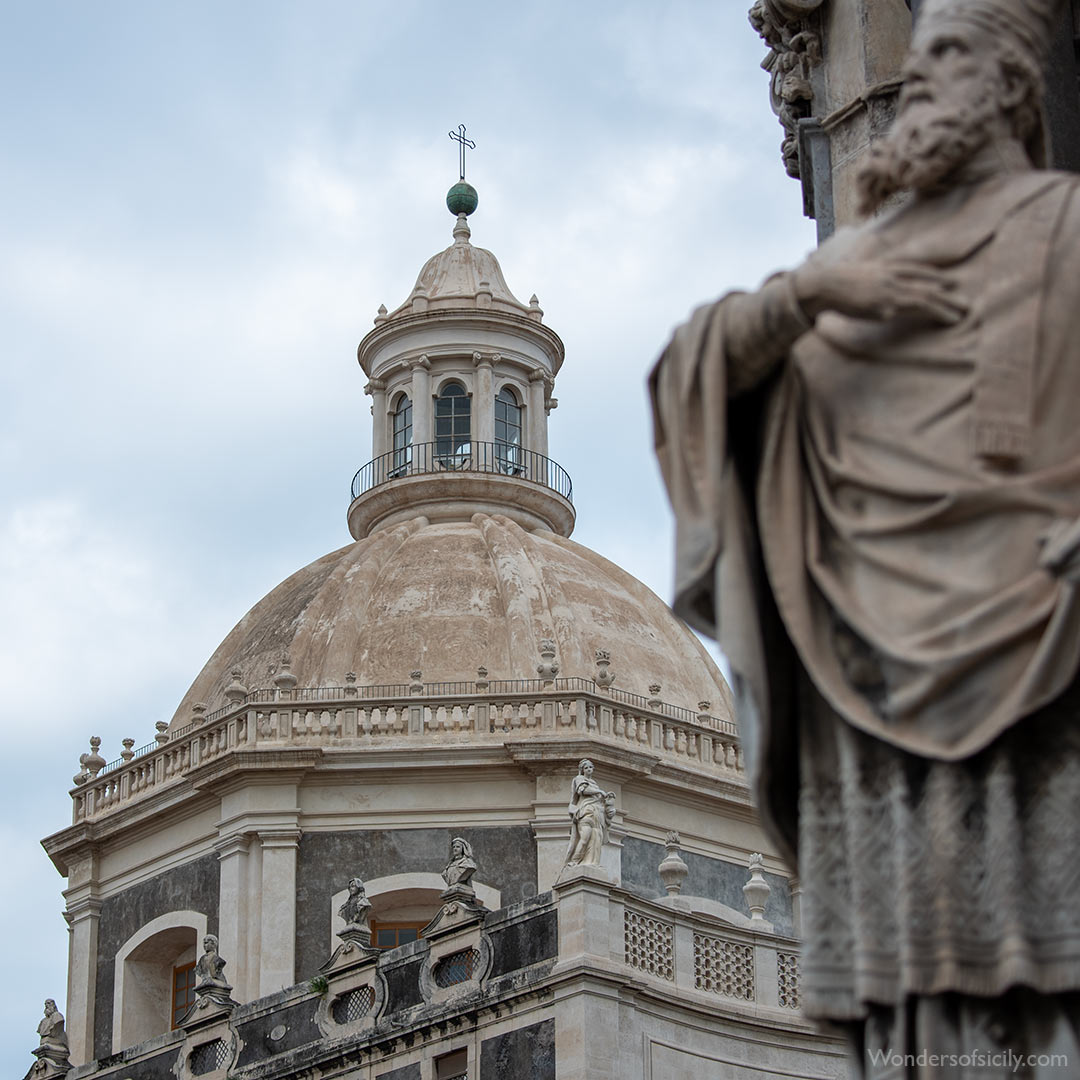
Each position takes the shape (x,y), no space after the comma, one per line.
(591,812)
(210,983)
(458,872)
(874,462)
(356,911)
(52,1050)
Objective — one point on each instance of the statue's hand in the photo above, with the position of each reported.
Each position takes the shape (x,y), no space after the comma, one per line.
(1060,553)
(877,289)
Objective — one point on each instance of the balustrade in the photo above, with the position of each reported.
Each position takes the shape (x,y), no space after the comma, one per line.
(357,715)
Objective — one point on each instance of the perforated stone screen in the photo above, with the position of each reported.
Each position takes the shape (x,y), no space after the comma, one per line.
(354,1005)
(209,1056)
(458,967)
(787,980)
(724,967)
(649,945)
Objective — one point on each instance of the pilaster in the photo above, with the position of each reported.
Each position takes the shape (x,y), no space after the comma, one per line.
(536,415)
(483,423)
(233,911)
(380,440)
(423,428)
(277,959)
(83,917)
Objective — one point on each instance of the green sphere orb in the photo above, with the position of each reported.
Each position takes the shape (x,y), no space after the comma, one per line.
(462,198)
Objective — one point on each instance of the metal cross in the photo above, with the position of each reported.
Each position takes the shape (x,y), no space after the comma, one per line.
(459,137)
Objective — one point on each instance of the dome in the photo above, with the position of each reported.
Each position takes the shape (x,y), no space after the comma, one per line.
(464,277)
(449,597)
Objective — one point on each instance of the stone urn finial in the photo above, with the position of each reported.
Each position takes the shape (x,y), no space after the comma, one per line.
(127,753)
(416,682)
(757,889)
(162,729)
(654,695)
(350,684)
(236,691)
(198,712)
(672,869)
(285,679)
(93,762)
(604,676)
(482,678)
(548,667)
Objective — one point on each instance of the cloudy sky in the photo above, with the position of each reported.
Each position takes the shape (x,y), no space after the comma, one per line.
(203,205)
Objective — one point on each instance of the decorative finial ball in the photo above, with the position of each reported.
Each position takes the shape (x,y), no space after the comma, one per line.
(462,198)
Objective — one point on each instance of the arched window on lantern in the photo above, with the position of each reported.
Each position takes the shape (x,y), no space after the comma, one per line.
(402,433)
(453,420)
(508,453)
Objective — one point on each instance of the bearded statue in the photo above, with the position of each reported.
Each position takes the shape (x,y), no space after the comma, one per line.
(874,463)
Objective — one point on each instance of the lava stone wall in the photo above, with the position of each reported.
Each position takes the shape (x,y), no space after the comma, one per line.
(191,887)
(713,878)
(505,859)
(525,1052)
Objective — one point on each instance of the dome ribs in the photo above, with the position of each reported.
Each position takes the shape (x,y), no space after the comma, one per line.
(521,590)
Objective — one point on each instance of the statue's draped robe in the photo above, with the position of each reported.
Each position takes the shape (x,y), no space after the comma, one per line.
(858,523)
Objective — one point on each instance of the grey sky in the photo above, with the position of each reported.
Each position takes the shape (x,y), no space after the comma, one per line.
(203,204)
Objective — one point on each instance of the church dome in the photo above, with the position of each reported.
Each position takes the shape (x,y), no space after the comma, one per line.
(447,598)
(462,277)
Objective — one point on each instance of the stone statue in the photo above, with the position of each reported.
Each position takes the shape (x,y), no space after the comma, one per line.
(591,810)
(52,1049)
(210,983)
(459,870)
(356,911)
(51,1028)
(875,467)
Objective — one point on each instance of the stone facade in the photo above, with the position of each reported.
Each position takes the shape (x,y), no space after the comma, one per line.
(834,76)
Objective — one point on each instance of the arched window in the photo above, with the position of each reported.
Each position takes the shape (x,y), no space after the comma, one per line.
(508,454)
(452,425)
(402,436)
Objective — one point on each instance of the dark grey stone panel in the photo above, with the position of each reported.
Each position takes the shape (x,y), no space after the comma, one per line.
(406,1072)
(300,1029)
(514,1055)
(711,878)
(191,887)
(523,943)
(158,1067)
(506,858)
(403,985)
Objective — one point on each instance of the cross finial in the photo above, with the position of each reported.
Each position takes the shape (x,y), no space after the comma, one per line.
(459,137)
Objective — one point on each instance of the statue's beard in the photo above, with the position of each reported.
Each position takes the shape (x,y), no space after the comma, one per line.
(927,146)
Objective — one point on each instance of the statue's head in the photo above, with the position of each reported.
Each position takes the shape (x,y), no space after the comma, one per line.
(972,81)
(50,1006)
(356,886)
(585,767)
(209,943)
(460,848)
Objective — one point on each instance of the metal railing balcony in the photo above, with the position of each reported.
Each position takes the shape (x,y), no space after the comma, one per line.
(495,458)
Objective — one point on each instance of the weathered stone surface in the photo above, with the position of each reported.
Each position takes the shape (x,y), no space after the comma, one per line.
(403,984)
(192,886)
(508,856)
(300,1029)
(523,943)
(528,1051)
(406,1072)
(391,602)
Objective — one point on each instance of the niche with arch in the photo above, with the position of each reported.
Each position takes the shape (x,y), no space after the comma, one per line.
(144,988)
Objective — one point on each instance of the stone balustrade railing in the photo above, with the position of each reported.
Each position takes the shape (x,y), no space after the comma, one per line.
(342,717)
(738,965)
